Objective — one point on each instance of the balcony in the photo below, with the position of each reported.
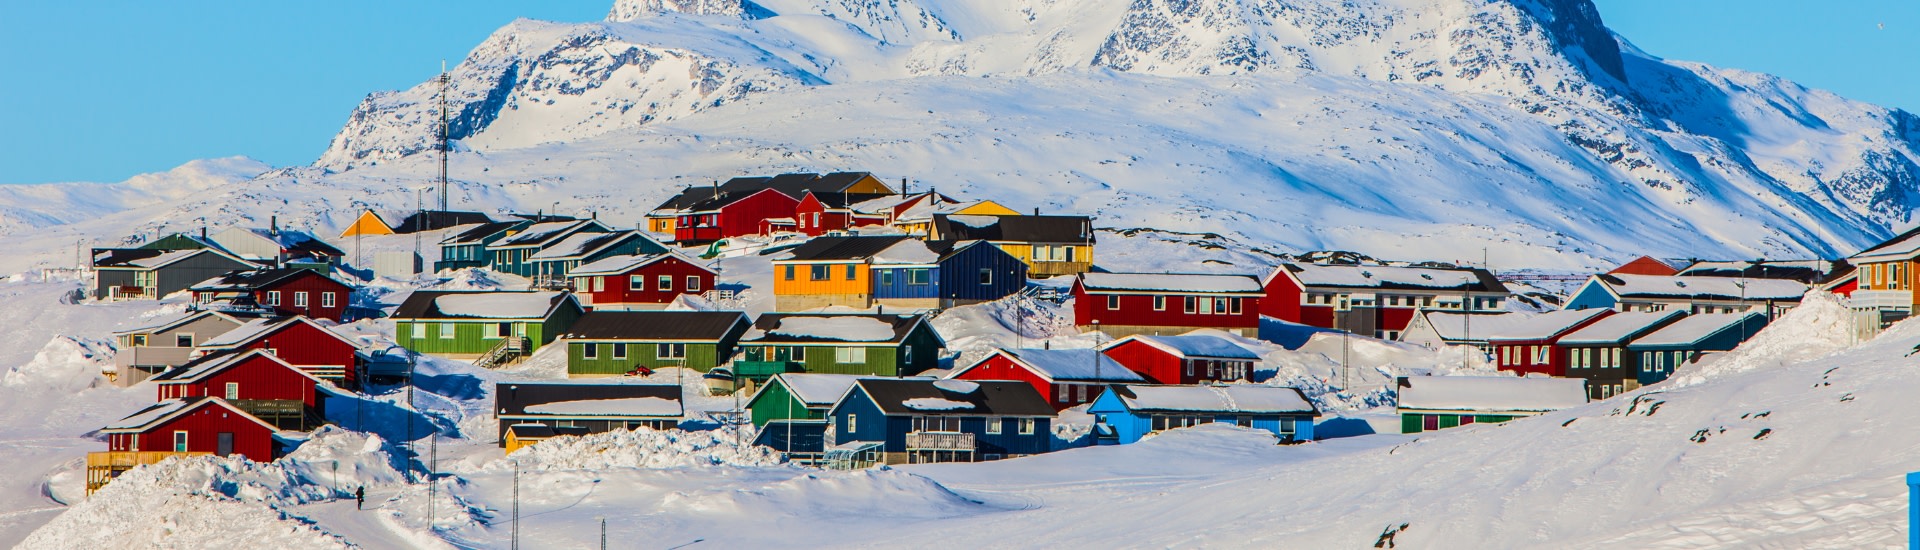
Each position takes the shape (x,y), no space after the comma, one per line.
(130,292)
(1881,299)
(151,356)
(940,441)
(761,370)
(102,467)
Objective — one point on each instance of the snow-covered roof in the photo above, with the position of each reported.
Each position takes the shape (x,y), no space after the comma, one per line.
(194,371)
(1724,288)
(1065,365)
(582,244)
(1232,398)
(621,265)
(814,388)
(1491,393)
(164,322)
(261,327)
(496,305)
(925,210)
(907,252)
(1192,345)
(1546,325)
(832,327)
(1903,246)
(1379,276)
(628,406)
(1693,328)
(1454,326)
(172,408)
(1170,282)
(540,233)
(164,258)
(1618,327)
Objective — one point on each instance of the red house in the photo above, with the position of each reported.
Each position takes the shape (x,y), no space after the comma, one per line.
(1375,300)
(749,205)
(299,342)
(1066,377)
(255,381)
(1190,359)
(194,425)
(1646,265)
(1530,347)
(625,283)
(283,291)
(1125,304)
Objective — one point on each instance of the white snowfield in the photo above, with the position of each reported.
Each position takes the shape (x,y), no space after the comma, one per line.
(1492,393)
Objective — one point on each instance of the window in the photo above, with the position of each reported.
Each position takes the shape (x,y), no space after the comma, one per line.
(1192,305)
(1113,301)
(914,276)
(519,329)
(1206,306)
(590,351)
(670,351)
(799,353)
(907,355)
(1236,306)
(273,297)
(819,273)
(1189,367)
(619,350)
(1026,426)
(693,283)
(183,340)
(179,442)
(1061,394)
(789,273)
(419,330)
(639,282)
(853,423)
(852,275)
(886,277)
(326,299)
(994,425)
(1069,253)
(986,276)
(666,283)
(233,390)
(446,330)
(816,219)
(139,340)
(1159,303)
(852,355)
(300,299)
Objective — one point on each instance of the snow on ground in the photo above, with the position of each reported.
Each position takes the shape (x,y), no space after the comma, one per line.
(641,448)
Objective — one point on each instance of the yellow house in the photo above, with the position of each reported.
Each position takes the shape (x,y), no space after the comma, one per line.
(1050,245)
(800,285)
(919,219)
(369,223)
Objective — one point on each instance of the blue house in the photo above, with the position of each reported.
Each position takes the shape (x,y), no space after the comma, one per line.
(944,274)
(1684,341)
(912,421)
(1126,413)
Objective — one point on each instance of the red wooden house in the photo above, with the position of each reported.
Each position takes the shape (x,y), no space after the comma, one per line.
(283,291)
(1531,347)
(1375,300)
(194,425)
(1646,265)
(749,205)
(298,341)
(820,212)
(625,283)
(1066,377)
(1125,304)
(731,215)
(1190,359)
(255,381)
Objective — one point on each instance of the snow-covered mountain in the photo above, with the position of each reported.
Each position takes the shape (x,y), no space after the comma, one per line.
(1406,129)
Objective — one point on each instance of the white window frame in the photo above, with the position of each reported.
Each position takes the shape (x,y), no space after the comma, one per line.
(233,391)
(273,297)
(300,299)
(1026,426)
(419,330)
(666,283)
(850,355)
(590,350)
(693,283)
(327,300)
(448,331)
(599,283)
(995,425)
(1159,303)
(853,423)
(669,350)
(1113,302)
(619,350)
(637,282)
(986,276)
(181,441)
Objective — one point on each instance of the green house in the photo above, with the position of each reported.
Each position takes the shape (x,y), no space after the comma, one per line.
(470,324)
(468,248)
(614,343)
(798,396)
(876,344)
(514,253)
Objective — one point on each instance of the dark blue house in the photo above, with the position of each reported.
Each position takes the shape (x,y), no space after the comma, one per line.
(1126,413)
(944,274)
(919,421)
(1683,342)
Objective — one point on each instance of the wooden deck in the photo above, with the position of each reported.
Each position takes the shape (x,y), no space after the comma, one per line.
(102,467)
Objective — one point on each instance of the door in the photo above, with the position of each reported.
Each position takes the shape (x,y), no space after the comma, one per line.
(226,444)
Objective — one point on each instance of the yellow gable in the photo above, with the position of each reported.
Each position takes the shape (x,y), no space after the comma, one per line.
(368,223)
(870,185)
(987,208)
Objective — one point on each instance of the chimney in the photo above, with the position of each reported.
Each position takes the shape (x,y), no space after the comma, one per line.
(273,226)
(716,189)
(903,186)
(203,233)
(1036,210)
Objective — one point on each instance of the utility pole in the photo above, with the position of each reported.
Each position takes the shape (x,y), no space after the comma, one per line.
(445,139)
(516,505)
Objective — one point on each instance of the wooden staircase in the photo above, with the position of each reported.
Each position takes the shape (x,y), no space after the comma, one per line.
(510,350)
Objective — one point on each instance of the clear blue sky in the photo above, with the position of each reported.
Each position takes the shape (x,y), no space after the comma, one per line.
(99,91)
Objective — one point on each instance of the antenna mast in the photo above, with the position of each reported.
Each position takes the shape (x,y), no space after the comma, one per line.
(445,149)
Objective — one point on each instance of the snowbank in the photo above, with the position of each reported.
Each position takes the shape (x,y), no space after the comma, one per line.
(640,448)
(1818,327)
(64,365)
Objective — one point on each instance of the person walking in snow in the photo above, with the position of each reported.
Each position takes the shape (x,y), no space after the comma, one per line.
(360,498)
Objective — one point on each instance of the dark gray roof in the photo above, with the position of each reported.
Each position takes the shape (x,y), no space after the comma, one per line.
(844,248)
(513,398)
(902,326)
(479,233)
(1032,229)
(704,326)
(794,185)
(429,220)
(985,397)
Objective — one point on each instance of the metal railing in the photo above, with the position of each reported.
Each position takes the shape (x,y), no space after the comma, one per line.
(510,349)
(940,441)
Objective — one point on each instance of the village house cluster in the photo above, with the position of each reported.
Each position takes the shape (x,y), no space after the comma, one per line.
(848,371)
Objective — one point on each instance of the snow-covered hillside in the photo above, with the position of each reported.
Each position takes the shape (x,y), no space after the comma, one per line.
(1403,129)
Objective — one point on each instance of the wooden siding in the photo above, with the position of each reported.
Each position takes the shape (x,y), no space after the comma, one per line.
(469,335)
(304,345)
(699,356)
(837,281)
(367,224)
(959,275)
(1061,396)
(614,290)
(882,359)
(314,284)
(891,282)
(741,217)
(891,431)
(1138,310)
(1082,257)
(204,426)
(258,379)
(776,402)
